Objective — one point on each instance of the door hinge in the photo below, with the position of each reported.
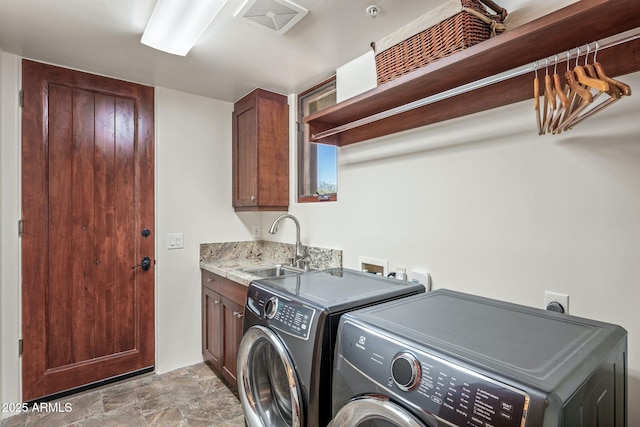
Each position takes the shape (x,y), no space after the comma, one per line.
(20,347)
(21,95)
(20,227)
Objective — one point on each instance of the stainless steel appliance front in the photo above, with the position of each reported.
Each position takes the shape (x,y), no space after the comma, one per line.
(286,354)
(453,359)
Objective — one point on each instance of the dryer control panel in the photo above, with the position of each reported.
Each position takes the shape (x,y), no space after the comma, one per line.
(429,383)
(282,313)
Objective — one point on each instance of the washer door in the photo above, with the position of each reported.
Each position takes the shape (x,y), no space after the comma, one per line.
(267,383)
(369,411)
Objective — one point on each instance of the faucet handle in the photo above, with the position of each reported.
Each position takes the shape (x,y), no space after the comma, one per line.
(303,264)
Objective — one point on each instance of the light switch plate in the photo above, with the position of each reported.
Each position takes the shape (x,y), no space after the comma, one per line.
(175,241)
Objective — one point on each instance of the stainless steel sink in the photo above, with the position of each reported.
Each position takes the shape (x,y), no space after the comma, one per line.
(272,271)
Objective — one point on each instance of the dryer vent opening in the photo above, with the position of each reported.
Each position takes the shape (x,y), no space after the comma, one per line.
(277,15)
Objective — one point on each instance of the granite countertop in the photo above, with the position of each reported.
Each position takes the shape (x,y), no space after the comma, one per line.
(229,259)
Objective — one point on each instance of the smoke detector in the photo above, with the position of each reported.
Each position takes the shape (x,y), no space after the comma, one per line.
(277,15)
(373,10)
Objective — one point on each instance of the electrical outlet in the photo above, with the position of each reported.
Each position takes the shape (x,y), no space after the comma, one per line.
(423,277)
(562,299)
(256,231)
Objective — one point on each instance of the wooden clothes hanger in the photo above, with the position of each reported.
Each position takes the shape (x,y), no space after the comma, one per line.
(613,88)
(536,99)
(566,106)
(595,109)
(625,90)
(591,82)
(582,85)
(579,98)
(561,92)
(614,95)
(549,101)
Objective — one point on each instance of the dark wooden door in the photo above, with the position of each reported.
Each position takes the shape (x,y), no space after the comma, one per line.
(87,195)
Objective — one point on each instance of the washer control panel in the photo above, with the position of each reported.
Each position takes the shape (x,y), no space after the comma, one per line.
(282,313)
(440,387)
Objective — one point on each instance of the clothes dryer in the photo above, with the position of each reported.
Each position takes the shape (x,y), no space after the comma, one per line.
(451,359)
(286,353)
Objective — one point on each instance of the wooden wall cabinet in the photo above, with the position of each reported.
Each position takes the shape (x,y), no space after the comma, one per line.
(222,316)
(260,132)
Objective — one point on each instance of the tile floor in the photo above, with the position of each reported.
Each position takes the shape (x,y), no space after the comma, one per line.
(191,396)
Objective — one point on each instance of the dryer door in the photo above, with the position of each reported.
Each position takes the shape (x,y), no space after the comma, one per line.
(267,382)
(369,411)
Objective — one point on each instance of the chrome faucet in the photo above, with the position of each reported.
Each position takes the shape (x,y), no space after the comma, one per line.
(299,259)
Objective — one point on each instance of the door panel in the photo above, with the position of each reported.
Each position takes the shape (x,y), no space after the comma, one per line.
(246,154)
(232,336)
(87,194)
(212,326)
(82,228)
(60,209)
(124,197)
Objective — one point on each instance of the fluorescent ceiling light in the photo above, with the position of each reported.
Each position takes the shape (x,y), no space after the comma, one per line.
(176,25)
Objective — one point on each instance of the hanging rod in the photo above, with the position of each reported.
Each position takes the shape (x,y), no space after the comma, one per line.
(478,84)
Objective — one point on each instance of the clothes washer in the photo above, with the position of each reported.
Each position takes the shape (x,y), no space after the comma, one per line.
(450,359)
(286,353)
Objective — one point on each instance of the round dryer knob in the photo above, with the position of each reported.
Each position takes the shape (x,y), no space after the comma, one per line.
(271,307)
(405,371)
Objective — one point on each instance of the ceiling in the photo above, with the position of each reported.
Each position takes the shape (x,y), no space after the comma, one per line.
(231,58)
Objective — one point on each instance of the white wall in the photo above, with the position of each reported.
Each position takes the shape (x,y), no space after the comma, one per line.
(1,215)
(491,208)
(9,241)
(193,189)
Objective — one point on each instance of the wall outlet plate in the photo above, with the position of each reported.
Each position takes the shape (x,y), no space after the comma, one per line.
(255,230)
(562,299)
(421,276)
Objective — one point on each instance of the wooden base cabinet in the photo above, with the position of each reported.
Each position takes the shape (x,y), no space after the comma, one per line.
(222,316)
(260,154)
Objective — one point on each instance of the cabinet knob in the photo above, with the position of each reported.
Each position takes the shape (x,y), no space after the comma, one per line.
(253,198)
(216,301)
(237,314)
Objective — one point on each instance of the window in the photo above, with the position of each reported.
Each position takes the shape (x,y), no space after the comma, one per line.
(317,163)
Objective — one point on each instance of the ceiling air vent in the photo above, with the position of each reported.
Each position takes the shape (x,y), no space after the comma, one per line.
(278,15)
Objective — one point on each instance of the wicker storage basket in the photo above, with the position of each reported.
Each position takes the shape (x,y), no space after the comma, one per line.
(453,27)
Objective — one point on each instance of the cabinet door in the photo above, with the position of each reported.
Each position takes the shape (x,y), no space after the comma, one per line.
(245,154)
(212,326)
(233,317)
(273,153)
(260,154)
